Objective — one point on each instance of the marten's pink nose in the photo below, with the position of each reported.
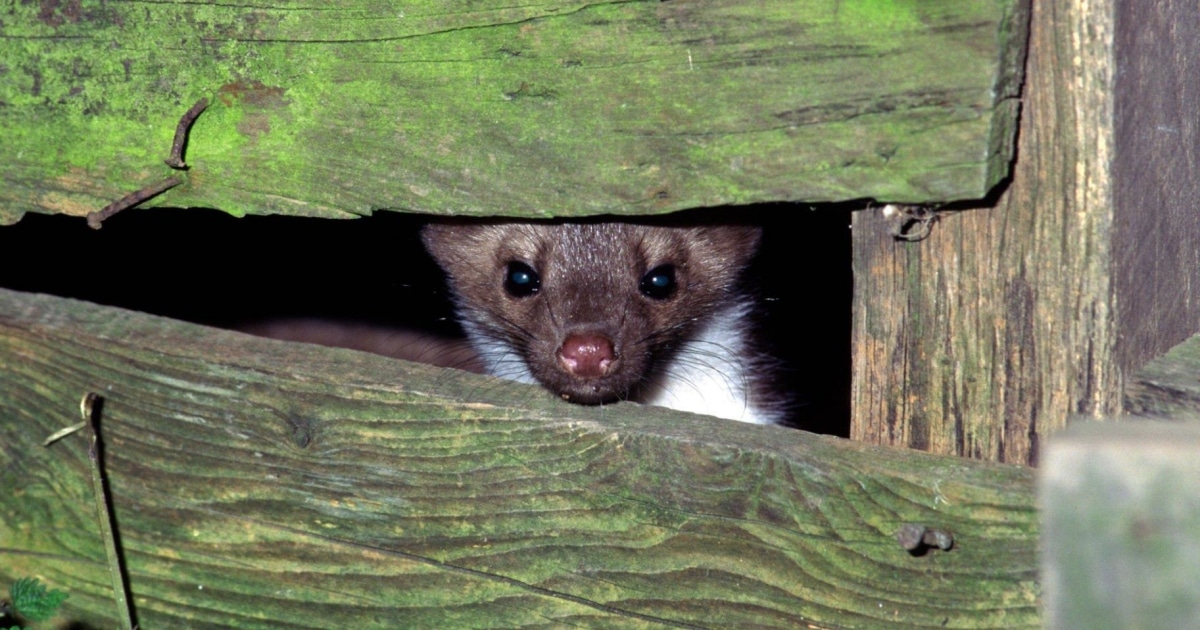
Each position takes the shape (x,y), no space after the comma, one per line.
(586,355)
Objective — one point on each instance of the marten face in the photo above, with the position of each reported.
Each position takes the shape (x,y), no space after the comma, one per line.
(587,309)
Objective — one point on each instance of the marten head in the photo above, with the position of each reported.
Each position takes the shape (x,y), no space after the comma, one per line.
(587,308)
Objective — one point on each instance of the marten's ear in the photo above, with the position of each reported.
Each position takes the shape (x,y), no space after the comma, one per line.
(731,246)
(437,237)
(453,242)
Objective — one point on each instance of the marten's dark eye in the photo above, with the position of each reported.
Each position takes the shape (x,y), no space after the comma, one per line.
(659,282)
(521,280)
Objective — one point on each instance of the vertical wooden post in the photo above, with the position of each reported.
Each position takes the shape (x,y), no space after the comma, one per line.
(1156,231)
(1001,324)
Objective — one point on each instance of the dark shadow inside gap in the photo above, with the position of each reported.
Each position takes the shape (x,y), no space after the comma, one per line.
(207,267)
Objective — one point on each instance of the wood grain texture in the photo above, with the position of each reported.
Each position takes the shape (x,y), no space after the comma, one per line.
(1156,232)
(1000,325)
(338,109)
(263,484)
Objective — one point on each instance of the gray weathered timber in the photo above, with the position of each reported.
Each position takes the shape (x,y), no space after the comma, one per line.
(1156,229)
(1122,526)
(338,109)
(1003,323)
(261,484)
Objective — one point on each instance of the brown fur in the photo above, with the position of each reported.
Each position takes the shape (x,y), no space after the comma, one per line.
(590,273)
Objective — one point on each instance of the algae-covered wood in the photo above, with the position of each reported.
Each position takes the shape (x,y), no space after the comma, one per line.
(1167,387)
(259,484)
(555,108)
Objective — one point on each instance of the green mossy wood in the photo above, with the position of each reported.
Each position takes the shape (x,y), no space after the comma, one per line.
(337,109)
(259,484)
(1167,387)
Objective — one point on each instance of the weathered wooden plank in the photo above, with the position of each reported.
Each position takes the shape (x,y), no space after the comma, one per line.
(560,108)
(264,484)
(1002,324)
(1156,232)
(1122,526)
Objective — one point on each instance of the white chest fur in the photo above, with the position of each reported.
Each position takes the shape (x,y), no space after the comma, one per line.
(710,374)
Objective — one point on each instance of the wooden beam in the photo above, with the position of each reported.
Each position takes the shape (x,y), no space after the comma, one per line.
(1003,323)
(1156,234)
(1167,387)
(264,484)
(338,109)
